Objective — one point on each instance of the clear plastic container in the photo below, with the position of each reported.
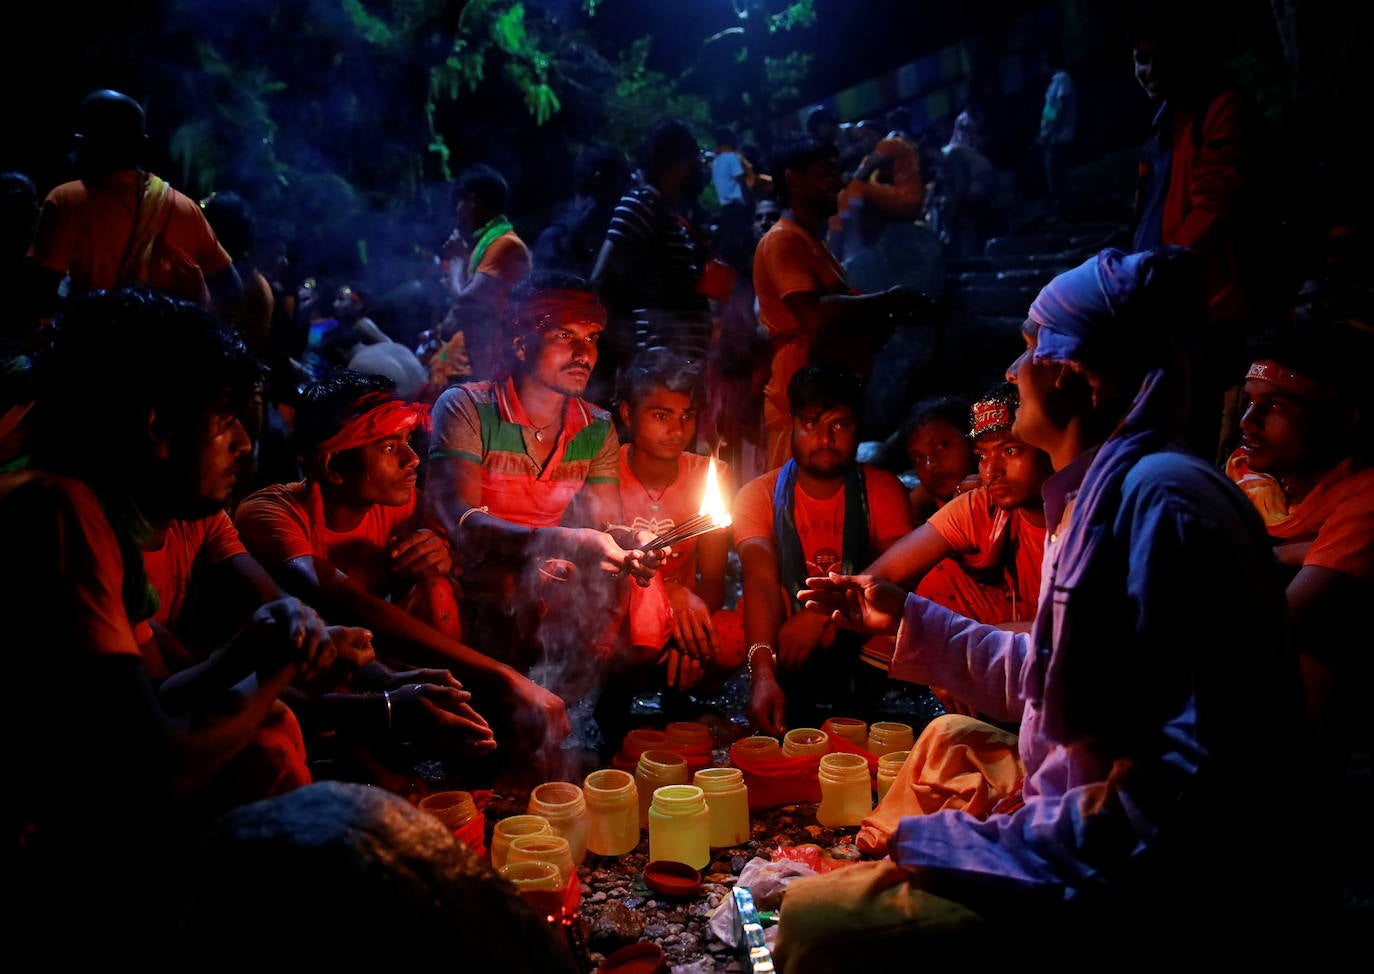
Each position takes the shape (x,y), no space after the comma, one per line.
(657,768)
(886,736)
(564,805)
(639,740)
(545,848)
(757,746)
(680,826)
(688,733)
(846,789)
(612,812)
(508,828)
(888,766)
(802,742)
(852,729)
(454,808)
(727,798)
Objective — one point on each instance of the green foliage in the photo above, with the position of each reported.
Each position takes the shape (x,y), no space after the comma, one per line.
(642,96)
(784,76)
(799,14)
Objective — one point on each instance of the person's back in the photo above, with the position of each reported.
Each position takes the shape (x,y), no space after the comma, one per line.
(117,223)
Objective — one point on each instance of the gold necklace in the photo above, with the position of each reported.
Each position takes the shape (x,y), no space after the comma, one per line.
(539,430)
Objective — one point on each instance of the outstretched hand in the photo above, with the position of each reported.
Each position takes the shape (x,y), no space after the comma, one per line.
(863,603)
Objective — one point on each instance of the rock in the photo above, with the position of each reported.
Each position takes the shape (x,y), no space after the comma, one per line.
(615,926)
(355,873)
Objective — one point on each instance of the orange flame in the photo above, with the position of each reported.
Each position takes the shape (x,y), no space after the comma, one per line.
(712,504)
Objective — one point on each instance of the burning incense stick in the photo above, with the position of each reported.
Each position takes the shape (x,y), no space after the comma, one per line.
(695,525)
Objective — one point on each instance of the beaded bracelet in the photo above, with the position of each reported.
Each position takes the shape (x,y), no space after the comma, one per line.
(749,657)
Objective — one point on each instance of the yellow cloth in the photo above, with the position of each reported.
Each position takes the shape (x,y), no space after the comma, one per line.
(957,762)
(870,916)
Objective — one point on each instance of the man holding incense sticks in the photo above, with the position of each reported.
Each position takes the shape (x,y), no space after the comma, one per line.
(523,474)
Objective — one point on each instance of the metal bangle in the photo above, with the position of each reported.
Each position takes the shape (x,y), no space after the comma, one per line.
(386,696)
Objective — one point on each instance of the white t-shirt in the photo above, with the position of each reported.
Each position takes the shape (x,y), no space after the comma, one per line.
(726,169)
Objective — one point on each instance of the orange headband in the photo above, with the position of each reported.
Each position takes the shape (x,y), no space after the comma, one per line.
(1289,381)
(386,419)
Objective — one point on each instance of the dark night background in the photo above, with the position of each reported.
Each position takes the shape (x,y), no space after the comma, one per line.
(287,101)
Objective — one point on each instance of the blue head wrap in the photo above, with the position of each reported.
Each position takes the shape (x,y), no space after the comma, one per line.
(1103,308)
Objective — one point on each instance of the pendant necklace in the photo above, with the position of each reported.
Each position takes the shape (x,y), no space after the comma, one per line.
(654,502)
(539,430)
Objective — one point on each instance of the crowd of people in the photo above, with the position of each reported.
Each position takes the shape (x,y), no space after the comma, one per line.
(255,540)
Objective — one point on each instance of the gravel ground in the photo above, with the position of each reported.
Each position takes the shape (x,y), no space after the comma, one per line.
(618,909)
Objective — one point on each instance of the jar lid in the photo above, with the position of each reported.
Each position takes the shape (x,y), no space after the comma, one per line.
(672,878)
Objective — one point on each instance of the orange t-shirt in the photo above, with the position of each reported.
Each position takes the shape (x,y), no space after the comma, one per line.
(680,500)
(788,261)
(274,523)
(507,259)
(820,522)
(84,228)
(1001,550)
(65,576)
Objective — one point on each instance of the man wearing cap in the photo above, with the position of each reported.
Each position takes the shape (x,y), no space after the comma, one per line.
(1305,461)
(980,553)
(1158,630)
(117,223)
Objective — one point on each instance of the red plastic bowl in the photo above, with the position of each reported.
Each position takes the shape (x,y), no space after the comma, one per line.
(644,957)
(672,878)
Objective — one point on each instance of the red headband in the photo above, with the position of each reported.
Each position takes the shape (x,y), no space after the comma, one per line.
(386,419)
(989,416)
(1289,381)
(559,305)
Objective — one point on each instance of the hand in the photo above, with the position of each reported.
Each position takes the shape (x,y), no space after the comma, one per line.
(971,482)
(800,636)
(682,671)
(439,677)
(951,703)
(424,554)
(693,629)
(863,603)
(910,304)
(539,714)
(352,646)
(767,704)
(288,632)
(641,561)
(433,711)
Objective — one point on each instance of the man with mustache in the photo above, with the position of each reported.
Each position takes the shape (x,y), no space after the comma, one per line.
(524,475)
(820,510)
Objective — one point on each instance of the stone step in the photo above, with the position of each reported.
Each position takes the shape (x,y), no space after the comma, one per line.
(996,301)
(1037,276)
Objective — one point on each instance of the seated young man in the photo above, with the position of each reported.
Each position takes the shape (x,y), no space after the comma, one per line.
(523,474)
(941,456)
(1306,461)
(133,422)
(207,584)
(819,511)
(980,553)
(662,485)
(348,539)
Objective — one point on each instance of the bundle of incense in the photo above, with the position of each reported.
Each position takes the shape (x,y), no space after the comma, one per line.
(678,533)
